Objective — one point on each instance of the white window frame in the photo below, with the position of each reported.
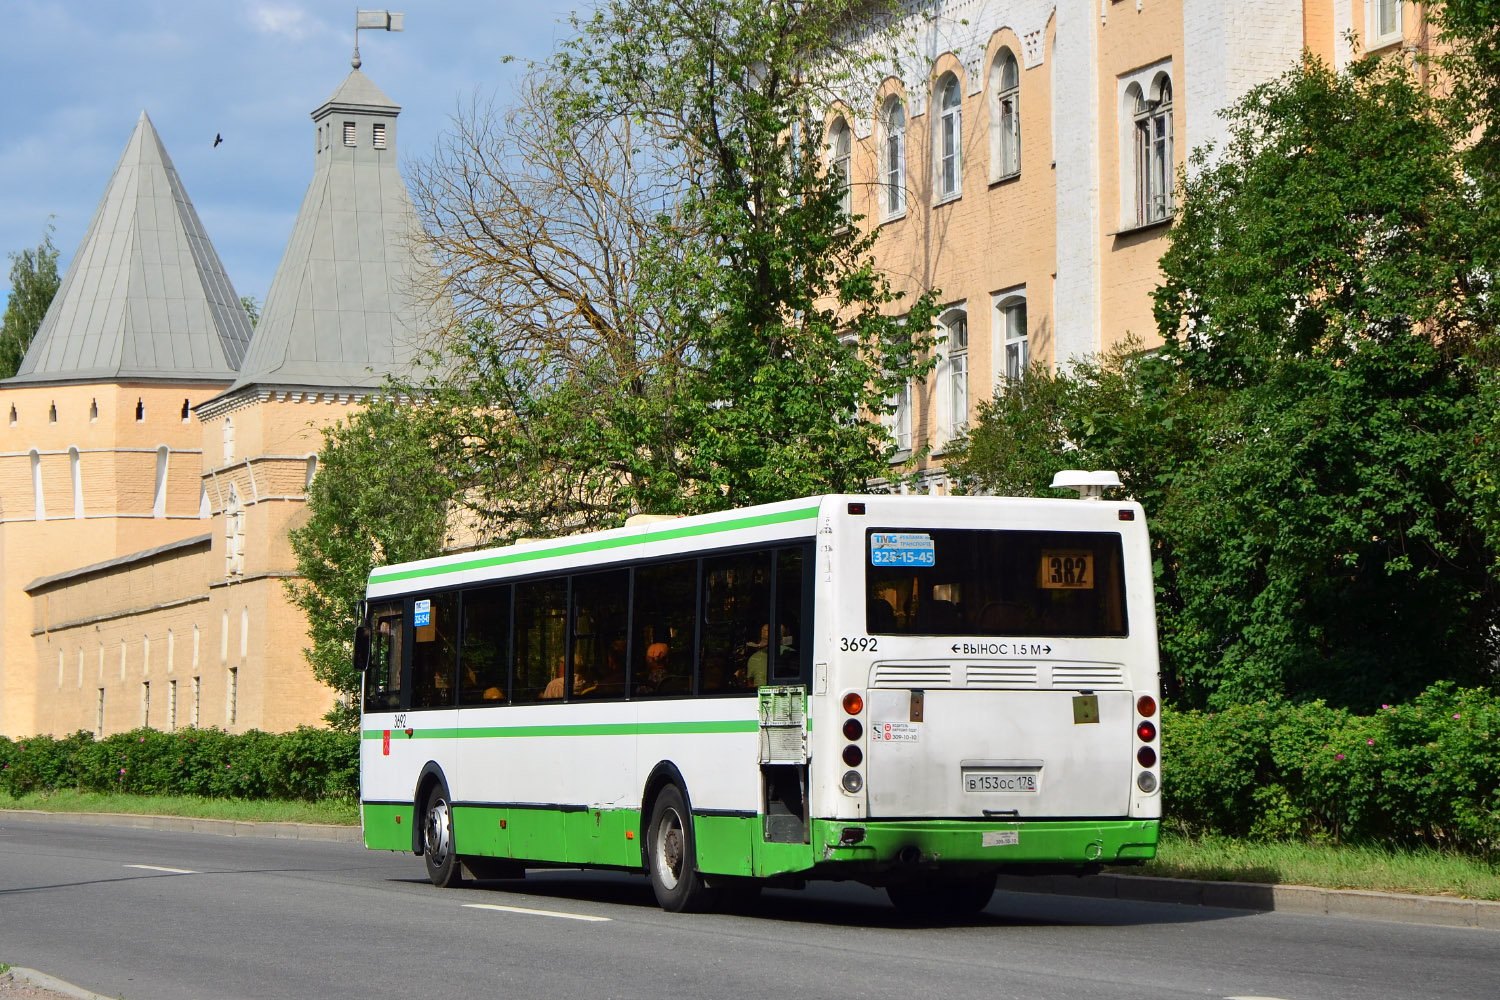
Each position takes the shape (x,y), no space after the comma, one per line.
(1005,116)
(948,143)
(1012,351)
(952,389)
(892,159)
(1375,38)
(1147,146)
(898,422)
(840,162)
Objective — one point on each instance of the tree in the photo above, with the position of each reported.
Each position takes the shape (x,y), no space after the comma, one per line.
(33,283)
(1305,441)
(379,496)
(252,309)
(660,303)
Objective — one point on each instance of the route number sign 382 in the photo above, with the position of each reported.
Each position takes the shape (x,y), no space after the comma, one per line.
(1067,569)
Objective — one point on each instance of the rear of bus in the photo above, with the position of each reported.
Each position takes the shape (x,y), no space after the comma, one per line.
(987,695)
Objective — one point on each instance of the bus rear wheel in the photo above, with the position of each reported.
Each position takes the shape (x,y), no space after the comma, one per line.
(672,857)
(437,840)
(943,898)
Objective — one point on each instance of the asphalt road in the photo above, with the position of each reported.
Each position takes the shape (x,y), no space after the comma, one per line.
(149,915)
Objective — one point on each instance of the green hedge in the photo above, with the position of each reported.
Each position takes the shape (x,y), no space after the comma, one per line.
(310,764)
(1423,773)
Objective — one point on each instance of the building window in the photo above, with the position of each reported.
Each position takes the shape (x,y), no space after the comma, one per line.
(348,133)
(379,129)
(898,421)
(1005,116)
(75,468)
(159,501)
(140,411)
(840,147)
(1385,22)
(950,139)
(1152,116)
(39,500)
(93,411)
(953,377)
(52,414)
(312,471)
(893,158)
(234,536)
(187,411)
(1010,316)
(13,414)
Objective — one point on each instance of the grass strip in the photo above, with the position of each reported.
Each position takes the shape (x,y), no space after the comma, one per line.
(243,810)
(1424,872)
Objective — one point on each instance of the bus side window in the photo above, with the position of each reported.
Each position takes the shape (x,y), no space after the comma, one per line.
(484,658)
(737,646)
(383,678)
(661,640)
(540,639)
(793,616)
(434,652)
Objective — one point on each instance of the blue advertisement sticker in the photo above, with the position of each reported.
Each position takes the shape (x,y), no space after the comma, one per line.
(422,613)
(902,548)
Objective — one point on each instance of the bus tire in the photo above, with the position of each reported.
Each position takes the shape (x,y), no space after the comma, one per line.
(437,840)
(943,898)
(671,855)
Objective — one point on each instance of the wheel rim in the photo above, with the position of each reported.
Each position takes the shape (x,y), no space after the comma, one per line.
(439,833)
(670,848)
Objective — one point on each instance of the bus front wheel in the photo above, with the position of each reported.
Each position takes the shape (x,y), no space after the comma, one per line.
(671,855)
(437,840)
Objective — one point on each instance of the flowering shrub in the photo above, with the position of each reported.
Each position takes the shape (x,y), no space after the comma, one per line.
(1425,772)
(306,764)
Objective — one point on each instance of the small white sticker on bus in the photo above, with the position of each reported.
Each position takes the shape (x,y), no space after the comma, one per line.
(1000,838)
(897,732)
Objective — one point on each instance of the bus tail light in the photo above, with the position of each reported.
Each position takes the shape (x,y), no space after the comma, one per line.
(1145,705)
(1146,782)
(853,703)
(1146,731)
(853,782)
(1146,757)
(852,729)
(853,755)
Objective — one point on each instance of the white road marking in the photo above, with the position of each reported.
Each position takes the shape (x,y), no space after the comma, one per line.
(538,913)
(159,868)
(1252,998)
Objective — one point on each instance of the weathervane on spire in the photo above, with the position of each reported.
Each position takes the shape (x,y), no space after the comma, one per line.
(373,20)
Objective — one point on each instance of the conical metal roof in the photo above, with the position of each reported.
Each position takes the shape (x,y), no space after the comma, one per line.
(145,296)
(342,311)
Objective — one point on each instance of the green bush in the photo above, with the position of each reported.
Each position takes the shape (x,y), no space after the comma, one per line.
(1422,773)
(308,764)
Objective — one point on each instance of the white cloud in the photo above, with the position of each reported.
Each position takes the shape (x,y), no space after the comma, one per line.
(285,20)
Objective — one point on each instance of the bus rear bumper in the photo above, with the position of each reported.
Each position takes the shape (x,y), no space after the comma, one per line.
(894,845)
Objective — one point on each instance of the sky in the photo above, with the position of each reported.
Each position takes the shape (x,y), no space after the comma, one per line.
(75,76)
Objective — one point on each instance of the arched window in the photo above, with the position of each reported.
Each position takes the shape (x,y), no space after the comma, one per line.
(1152,115)
(893,157)
(186,411)
(953,377)
(1005,116)
(840,149)
(36,486)
(312,470)
(140,410)
(950,179)
(1010,316)
(52,414)
(234,536)
(93,411)
(898,421)
(75,466)
(159,500)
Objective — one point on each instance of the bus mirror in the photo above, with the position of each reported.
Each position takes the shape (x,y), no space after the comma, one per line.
(362,648)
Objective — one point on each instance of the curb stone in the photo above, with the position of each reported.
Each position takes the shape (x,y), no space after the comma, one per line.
(1360,904)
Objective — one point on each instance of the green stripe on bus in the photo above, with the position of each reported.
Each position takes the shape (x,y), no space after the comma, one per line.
(599,729)
(528,553)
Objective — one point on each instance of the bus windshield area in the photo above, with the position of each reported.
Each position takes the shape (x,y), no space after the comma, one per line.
(969,582)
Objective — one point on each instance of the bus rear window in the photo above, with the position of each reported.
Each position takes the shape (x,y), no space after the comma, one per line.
(965,582)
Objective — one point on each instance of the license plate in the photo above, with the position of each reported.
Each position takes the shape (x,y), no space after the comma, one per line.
(999,781)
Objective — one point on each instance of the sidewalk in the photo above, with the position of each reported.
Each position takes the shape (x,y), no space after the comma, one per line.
(1353,903)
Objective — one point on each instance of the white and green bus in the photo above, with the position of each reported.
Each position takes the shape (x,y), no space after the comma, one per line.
(912,692)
